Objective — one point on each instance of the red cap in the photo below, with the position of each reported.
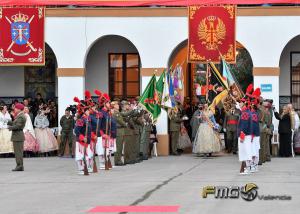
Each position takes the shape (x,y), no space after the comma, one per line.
(19,106)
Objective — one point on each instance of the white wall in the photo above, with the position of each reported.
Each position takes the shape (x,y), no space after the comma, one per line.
(68,88)
(274,94)
(155,38)
(284,81)
(97,61)
(11,81)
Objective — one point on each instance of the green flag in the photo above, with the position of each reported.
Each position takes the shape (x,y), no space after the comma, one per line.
(159,91)
(148,100)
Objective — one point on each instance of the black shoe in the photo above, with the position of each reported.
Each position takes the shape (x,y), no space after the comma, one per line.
(18,169)
(234,153)
(119,164)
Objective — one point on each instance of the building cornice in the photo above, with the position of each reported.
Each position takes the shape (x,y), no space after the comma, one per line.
(163,11)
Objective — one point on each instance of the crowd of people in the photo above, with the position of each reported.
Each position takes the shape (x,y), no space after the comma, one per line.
(39,131)
(123,129)
(247,127)
(105,128)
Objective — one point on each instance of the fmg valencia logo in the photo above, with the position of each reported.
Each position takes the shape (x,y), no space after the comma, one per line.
(249,192)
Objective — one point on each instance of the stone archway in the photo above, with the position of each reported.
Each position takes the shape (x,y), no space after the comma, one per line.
(113,66)
(289,79)
(42,79)
(243,69)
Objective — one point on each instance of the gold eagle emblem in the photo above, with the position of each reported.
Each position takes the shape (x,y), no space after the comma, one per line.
(211,32)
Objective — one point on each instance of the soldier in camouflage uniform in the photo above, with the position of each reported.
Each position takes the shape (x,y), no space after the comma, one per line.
(128,133)
(121,126)
(264,125)
(268,130)
(138,127)
(145,138)
(175,121)
(230,127)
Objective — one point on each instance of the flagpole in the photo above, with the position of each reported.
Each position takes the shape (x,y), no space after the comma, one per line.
(207,82)
(238,85)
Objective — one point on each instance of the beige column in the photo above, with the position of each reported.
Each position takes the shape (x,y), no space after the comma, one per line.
(70,84)
(266,71)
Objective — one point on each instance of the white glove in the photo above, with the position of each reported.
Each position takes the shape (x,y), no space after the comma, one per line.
(224,130)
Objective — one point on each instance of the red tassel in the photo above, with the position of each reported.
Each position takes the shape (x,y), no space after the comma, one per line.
(242,136)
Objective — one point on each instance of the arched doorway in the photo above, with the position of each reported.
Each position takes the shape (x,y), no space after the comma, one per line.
(195,73)
(289,79)
(42,79)
(113,66)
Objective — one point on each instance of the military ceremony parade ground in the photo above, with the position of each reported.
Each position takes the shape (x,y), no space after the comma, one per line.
(51,185)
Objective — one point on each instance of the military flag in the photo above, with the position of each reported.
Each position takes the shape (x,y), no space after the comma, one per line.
(159,87)
(218,86)
(211,29)
(22,36)
(230,78)
(149,99)
(166,99)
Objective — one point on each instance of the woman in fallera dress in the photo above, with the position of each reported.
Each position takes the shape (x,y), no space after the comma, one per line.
(45,138)
(207,140)
(30,143)
(6,146)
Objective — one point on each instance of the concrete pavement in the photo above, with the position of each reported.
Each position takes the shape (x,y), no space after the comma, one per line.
(51,185)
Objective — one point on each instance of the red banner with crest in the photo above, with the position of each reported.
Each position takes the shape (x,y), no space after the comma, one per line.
(211,33)
(22,36)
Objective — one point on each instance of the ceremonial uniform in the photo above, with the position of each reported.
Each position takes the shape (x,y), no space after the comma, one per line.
(96,141)
(83,129)
(230,125)
(67,125)
(105,132)
(245,137)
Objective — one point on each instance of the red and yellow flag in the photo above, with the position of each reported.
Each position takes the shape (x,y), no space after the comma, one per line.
(211,33)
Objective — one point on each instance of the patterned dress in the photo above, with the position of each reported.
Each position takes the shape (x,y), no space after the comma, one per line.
(45,137)
(207,140)
(30,143)
(6,146)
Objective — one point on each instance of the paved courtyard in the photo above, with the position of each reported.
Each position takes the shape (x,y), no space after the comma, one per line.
(51,185)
